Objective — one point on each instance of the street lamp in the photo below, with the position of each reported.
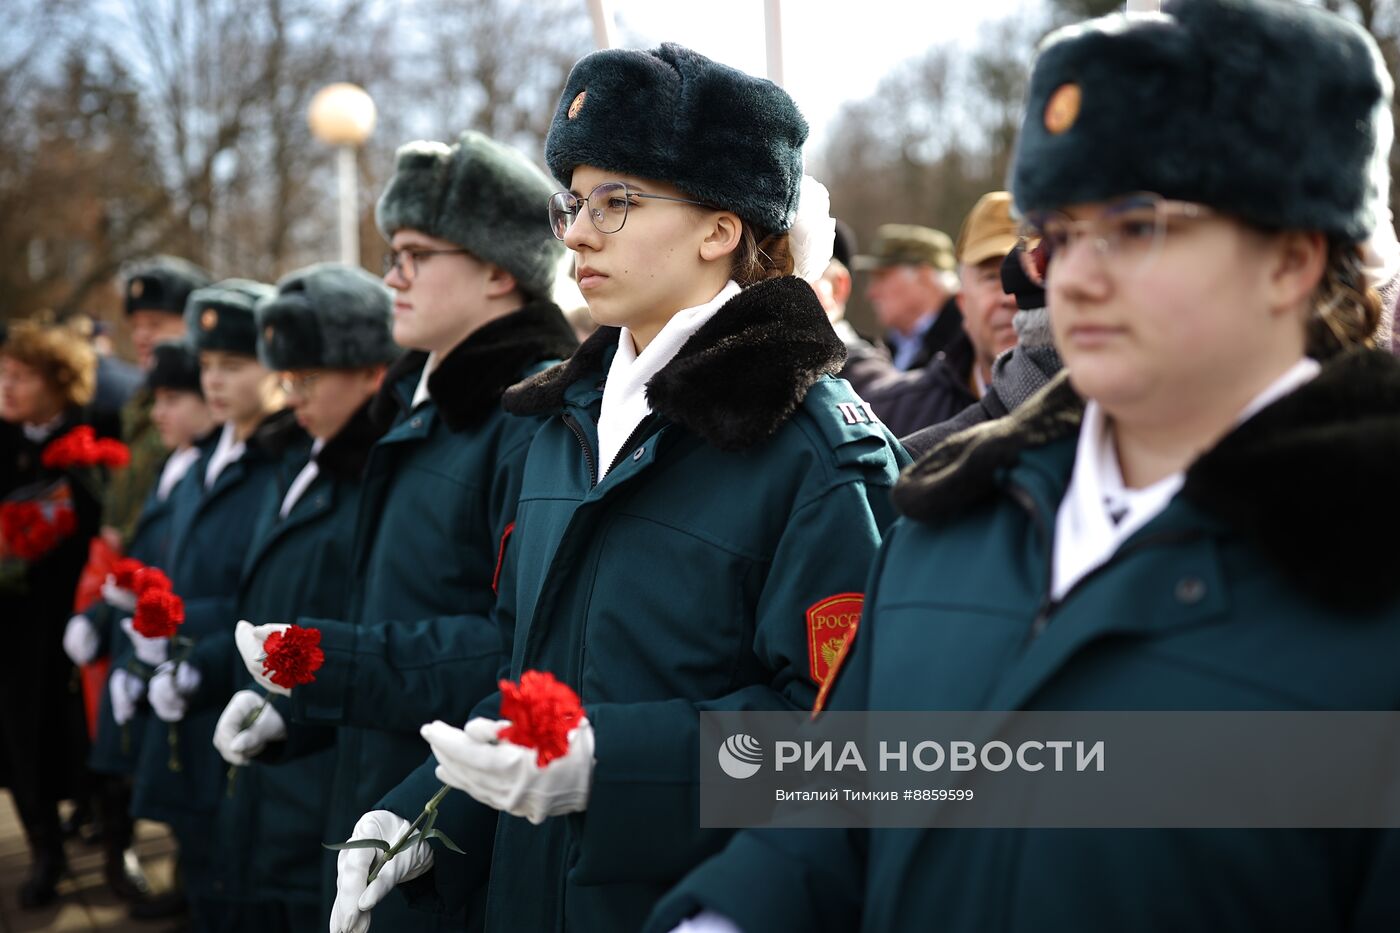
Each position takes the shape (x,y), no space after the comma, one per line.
(342,115)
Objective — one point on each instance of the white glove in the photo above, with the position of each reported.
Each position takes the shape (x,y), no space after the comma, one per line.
(171,687)
(80,641)
(237,745)
(113,595)
(125,690)
(353,898)
(249,638)
(707,921)
(150,651)
(507,776)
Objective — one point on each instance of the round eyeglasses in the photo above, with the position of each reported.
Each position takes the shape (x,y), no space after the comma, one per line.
(1127,236)
(607,207)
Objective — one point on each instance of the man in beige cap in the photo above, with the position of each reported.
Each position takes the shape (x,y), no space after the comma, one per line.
(912,287)
(988,235)
(909,401)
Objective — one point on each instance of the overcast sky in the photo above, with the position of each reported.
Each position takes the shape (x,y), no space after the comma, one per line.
(833,50)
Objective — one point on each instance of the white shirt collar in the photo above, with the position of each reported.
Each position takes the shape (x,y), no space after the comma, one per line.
(303,480)
(176,466)
(624,394)
(421,394)
(1099,513)
(227,451)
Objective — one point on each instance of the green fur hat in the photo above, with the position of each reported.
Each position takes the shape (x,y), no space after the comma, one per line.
(481,195)
(175,367)
(162,283)
(220,316)
(1272,112)
(670,114)
(326,316)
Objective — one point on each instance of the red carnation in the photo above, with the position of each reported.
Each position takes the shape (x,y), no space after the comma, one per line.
(124,573)
(541,711)
(293,656)
(113,453)
(81,447)
(28,533)
(159,612)
(149,578)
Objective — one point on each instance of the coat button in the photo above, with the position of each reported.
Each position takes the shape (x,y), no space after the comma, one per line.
(639,453)
(1190,590)
(416,423)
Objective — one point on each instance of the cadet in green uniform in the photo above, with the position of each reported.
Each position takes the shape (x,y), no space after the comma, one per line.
(327,332)
(471,265)
(214,508)
(704,497)
(1176,522)
(154,294)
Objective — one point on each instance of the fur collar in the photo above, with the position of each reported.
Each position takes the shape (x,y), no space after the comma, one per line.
(468,382)
(1308,480)
(345,455)
(276,435)
(734,382)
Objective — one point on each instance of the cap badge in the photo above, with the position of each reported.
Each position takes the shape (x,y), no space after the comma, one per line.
(136,288)
(209,319)
(577,105)
(1062,109)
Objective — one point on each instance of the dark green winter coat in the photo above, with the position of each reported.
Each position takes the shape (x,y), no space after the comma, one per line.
(271,825)
(684,581)
(419,641)
(1265,584)
(115,749)
(210,534)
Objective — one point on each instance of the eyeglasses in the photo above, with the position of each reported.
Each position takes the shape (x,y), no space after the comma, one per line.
(607,207)
(406,260)
(1127,236)
(299,383)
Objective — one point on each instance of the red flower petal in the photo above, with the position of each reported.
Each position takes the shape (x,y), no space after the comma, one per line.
(150,578)
(293,656)
(124,572)
(541,711)
(159,613)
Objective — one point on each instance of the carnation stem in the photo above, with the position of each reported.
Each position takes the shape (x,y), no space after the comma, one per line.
(248,721)
(399,846)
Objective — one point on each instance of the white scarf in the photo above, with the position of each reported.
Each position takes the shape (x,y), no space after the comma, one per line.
(624,395)
(227,451)
(421,394)
(176,466)
(1099,513)
(303,480)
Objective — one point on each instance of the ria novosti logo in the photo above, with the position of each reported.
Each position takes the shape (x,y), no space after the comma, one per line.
(740,756)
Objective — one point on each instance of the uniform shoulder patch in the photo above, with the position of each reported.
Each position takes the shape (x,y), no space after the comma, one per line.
(831,628)
(831,623)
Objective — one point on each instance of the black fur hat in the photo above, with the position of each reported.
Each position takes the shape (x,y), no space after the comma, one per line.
(484,196)
(670,114)
(220,316)
(175,367)
(327,316)
(1267,110)
(161,283)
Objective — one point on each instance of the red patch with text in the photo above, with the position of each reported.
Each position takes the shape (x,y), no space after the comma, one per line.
(831,624)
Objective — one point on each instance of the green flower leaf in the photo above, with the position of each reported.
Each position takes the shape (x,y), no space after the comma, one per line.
(440,836)
(379,844)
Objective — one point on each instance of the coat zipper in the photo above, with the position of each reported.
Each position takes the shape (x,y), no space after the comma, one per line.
(587,451)
(1048,604)
(622,452)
